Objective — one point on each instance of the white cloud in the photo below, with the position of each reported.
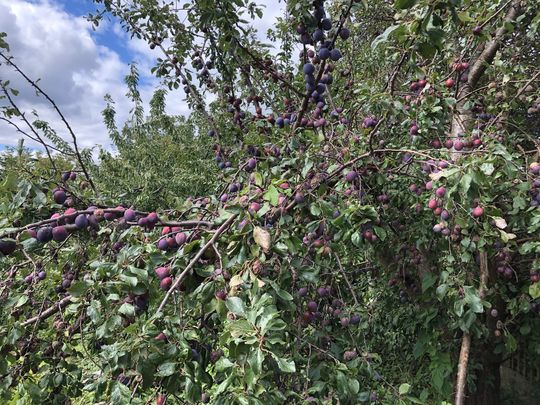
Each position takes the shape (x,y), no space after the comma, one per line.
(64,52)
(60,49)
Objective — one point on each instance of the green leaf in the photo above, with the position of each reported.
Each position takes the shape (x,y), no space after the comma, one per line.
(458,307)
(78,288)
(120,394)
(403,4)
(534,290)
(284,295)
(23,299)
(465,183)
(256,360)
(385,35)
(404,388)
(473,300)
(272,195)
(428,280)
(166,369)
(130,280)
(380,232)
(287,366)
(236,306)
(127,309)
(441,291)
(487,168)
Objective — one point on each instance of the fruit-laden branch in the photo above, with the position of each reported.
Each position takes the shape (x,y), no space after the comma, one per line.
(184,224)
(49,311)
(305,101)
(193,261)
(50,100)
(466,341)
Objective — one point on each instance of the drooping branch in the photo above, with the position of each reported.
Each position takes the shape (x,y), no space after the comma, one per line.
(181,224)
(305,101)
(51,101)
(19,129)
(23,117)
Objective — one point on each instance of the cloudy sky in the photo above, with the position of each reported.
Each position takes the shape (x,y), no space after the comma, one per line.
(52,41)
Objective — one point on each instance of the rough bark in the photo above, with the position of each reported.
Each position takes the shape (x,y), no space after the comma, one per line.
(461,122)
(462,118)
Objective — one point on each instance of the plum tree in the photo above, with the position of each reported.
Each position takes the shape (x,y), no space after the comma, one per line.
(336,169)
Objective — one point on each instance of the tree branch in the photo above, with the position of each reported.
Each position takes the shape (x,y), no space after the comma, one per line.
(195,259)
(186,224)
(49,311)
(21,114)
(34,85)
(466,340)
(488,54)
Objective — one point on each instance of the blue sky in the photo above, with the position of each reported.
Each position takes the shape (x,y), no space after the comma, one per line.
(108,38)
(51,40)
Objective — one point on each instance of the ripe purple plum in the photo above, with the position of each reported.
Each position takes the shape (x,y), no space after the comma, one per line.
(351,176)
(81,221)
(44,234)
(59,196)
(477,212)
(130,215)
(7,246)
(60,233)
(180,238)
(165,283)
(440,192)
(162,272)
(162,244)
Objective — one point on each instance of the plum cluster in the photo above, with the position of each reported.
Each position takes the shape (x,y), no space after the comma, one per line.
(163,273)
(38,274)
(321,304)
(534,192)
(172,238)
(67,279)
(502,261)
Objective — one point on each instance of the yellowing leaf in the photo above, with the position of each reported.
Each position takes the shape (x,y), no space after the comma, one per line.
(235,281)
(262,238)
(500,222)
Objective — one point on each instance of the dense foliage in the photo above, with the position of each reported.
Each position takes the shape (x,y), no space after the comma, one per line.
(373,220)
(157,161)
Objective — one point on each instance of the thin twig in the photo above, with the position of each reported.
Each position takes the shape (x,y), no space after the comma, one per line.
(347,280)
(49,311)
(184,273)
(21,114)
(75,145)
